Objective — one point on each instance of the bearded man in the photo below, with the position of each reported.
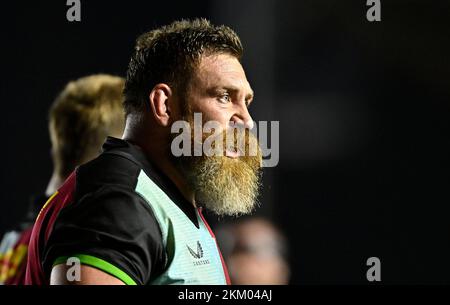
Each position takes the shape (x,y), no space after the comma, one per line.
(134,214)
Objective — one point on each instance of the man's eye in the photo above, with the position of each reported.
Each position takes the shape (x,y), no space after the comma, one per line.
(224,98)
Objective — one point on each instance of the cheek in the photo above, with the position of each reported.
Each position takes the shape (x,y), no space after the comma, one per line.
(217,116)
(211,111)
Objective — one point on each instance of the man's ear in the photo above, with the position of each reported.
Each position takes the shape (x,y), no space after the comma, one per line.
(160,103)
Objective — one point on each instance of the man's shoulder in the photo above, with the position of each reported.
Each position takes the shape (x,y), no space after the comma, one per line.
(111,168)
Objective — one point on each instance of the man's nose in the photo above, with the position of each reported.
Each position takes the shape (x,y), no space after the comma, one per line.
(244,118)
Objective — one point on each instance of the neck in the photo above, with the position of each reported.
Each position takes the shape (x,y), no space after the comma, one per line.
(55,182)
(157,151)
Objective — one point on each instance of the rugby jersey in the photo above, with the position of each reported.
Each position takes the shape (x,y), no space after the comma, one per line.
(120,214)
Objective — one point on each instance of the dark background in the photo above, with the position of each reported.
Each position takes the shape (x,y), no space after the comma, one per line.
(363,110)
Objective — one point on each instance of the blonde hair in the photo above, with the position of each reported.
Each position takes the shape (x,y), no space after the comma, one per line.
(82,116)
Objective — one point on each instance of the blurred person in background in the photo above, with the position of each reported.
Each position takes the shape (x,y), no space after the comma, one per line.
(82,116)
(255,251)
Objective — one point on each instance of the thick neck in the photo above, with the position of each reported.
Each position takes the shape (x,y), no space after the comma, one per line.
(155,145)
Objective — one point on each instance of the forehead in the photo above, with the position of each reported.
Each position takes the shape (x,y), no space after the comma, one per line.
(221,70)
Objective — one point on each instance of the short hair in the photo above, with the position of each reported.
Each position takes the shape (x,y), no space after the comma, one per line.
(170,54)
(82,116)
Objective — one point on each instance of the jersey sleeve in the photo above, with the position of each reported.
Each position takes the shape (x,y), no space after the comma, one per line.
(112,229)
